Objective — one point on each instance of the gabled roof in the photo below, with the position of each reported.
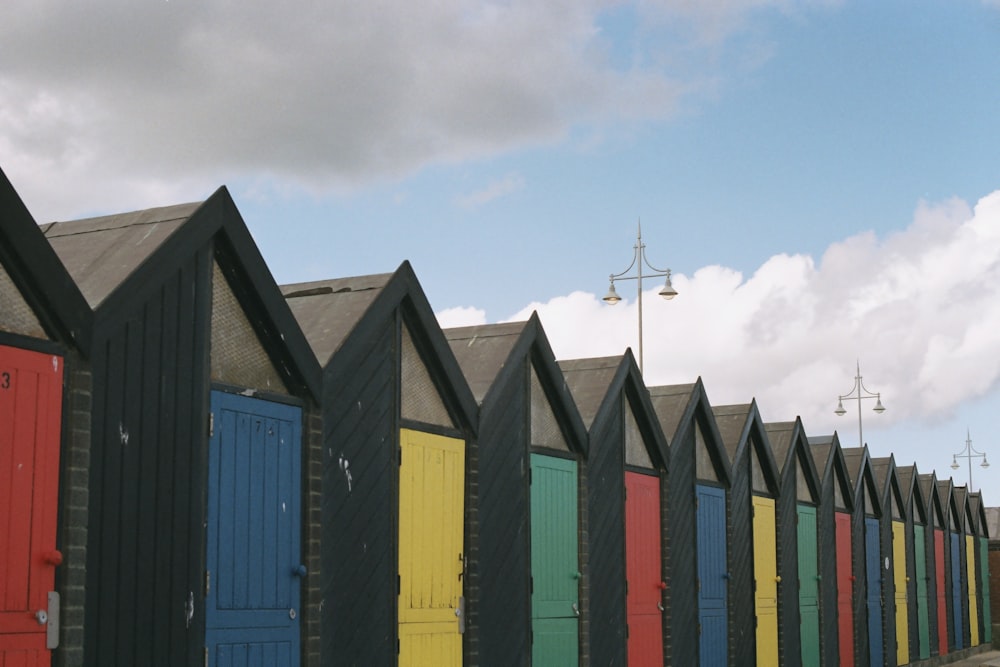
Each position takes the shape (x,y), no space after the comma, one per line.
(831,465)
(860,470)
(961,495)
(946,496)
(339,315)
(884,468)
(596,385)
(39,275)
(979,513)
(488,354)
(677,407)
(913,495)
(117,259)
(789,442)
(739,426)
(932,502)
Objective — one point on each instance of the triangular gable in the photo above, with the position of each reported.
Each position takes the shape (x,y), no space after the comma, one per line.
(636,453)
(832,469)
(794,457)
(979,512)
(953,520)
(961,495)
(545,430)
(928,488)
(742,432)
(892,497)
(341,317)
(598,384)
(120,261)
(866,490)
(38,298)
(681,409)
(420,400)
(913,497)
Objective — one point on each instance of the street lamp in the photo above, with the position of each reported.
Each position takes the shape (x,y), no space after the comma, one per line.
(638,259)
(859,387)
(969,453)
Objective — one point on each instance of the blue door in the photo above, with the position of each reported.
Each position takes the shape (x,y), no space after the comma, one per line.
(252,559)
(956,592)
(873,581)
(712,576)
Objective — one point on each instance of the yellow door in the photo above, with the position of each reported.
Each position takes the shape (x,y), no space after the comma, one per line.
(900,579)
(765,572)
(431,528)
(970,558)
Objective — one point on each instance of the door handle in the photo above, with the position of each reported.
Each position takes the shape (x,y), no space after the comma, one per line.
(576,609)
(659,605)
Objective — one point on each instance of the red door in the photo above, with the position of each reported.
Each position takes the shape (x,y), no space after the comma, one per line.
(942,609)
(643,565)
(845,588)
(30,409)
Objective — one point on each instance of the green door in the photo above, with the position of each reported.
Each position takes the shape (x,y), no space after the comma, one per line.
(555,561)
(923,630)
(808,586)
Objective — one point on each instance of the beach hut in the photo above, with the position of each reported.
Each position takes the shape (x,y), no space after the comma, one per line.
(798,558)
(532,457)
(937,596)
(202,384)
(753,600)
(982,566)
(866,535)
(697,527)
(45,327)
(918,574)
(895,617)
(958,632)
(836,507)
(399,475)
(626,472)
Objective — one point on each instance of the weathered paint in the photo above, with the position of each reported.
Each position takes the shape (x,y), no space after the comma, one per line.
(252,606)
(30,418)
(942,597)
(554,561)
(845,586)
(765,572)
(899,583)
(644,564)
(984,583)
(873,578)
(970,559)
(431,551)
(712,576)
(920,572)
(808,585)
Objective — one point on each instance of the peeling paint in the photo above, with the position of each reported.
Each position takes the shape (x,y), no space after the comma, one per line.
(345,466)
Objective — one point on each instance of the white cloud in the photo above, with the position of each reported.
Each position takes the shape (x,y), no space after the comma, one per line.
(107,104)
(461,317)
(507,185)
(920,309)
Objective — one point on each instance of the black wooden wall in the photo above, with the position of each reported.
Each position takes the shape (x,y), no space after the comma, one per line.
(827,533)
(606,511)
(682,629)
(888,580)
(359,566)
(860,586)
(928,546)
(788,567)
(742,644)
(913,630)
(145,546)
(504,586)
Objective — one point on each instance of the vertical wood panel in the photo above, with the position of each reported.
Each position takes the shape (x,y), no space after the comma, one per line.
(873,581)
(845,580)
(765,567)
(970,558)
(920,572)
(643,570)
(942,596)
(899,586)
(808,567)
(958,621)
(712,576)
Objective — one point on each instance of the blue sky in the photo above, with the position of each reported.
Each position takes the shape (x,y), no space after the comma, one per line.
(818,175)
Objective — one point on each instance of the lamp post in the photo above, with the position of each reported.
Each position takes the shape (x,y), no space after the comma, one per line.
(969,453)
(849,396)
(638,259)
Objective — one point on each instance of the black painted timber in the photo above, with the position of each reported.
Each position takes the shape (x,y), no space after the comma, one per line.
(863,481)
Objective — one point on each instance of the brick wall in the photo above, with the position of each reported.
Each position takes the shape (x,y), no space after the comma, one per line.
(313,603)
(994,558)
(74,494)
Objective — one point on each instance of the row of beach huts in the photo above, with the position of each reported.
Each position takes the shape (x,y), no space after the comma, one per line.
(201,467)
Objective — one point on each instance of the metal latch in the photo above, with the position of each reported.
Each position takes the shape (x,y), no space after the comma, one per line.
(51,621)
(460,613)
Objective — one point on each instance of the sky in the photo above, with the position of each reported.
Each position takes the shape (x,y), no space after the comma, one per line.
(822,177)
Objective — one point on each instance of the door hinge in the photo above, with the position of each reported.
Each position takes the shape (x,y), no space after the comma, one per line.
(531,585)
(208,581)
(211,424)
(399,585)
(400,451)
(529,476)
